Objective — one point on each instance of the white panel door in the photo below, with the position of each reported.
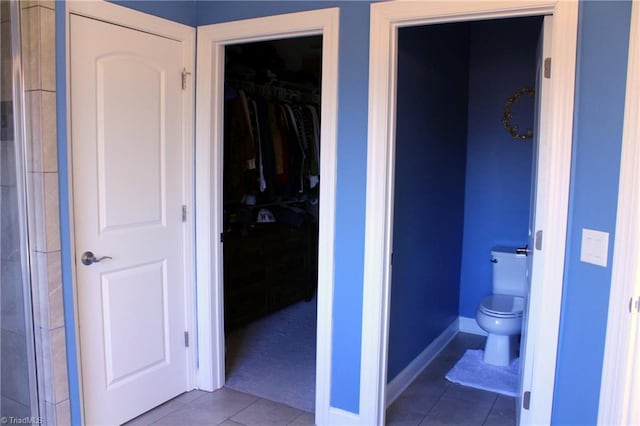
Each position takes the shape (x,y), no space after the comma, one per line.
(533,305)
(128,184)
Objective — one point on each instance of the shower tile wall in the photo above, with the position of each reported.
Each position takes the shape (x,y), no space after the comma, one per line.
(38,51)
(14,374)
(14,386)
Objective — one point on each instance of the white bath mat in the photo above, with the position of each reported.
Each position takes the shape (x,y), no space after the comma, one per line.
(472,371)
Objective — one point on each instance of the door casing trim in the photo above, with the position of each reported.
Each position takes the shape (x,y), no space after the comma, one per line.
(209,161)
(386,18)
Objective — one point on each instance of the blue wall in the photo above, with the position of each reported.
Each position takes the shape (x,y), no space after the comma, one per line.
(66,256)
(601,80)
(429,187)
(496,205)
(183,11)
(603,42)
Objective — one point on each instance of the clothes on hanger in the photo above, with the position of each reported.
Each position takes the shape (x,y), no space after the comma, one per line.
(272,148)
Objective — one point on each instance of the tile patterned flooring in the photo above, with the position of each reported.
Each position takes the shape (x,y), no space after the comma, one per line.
(432,400)
(429,400)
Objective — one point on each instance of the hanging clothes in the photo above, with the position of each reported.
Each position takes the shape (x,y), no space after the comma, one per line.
(275,144)
(240,149)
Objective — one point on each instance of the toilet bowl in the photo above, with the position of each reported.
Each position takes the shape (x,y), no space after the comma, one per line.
(501,317)
(500,314)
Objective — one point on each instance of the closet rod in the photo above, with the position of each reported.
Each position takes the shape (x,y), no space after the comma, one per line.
(279,90)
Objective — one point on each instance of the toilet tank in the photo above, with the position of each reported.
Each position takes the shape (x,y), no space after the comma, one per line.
(509,271)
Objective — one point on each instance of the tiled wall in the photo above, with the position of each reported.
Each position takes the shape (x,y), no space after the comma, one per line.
(38,61)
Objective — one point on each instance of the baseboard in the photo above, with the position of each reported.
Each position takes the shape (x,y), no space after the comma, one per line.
(336,416)
(402,381)
(470,325)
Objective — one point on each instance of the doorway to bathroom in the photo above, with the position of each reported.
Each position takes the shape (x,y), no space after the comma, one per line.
(464,151)
(554,159)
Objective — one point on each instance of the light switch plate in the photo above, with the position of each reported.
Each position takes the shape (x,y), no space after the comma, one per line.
(595,247)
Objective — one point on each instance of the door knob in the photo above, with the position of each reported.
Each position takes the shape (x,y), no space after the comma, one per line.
(89,258)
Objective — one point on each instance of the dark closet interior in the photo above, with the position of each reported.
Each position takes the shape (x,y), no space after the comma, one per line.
(271,176)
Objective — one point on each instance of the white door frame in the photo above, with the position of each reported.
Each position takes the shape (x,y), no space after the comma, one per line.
(209,164)
(123,16)
(386,18)
(617,371)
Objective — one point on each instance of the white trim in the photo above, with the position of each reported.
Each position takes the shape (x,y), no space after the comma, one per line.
(553,186)
(617,371)
(337,416)
(470,325)
(385,19)
(209,110)
(123,16)
(402,381)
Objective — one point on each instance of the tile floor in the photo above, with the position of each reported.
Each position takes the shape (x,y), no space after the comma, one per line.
(430,400)
(223,407)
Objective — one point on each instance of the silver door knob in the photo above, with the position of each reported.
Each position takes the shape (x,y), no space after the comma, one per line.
(89,258)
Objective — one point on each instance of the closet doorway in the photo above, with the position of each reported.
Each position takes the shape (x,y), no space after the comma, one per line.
(216,43)
(271,183)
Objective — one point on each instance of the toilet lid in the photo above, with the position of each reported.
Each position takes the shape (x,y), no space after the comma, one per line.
(502,305)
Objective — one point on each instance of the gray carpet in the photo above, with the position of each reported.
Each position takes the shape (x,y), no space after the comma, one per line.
(275,358)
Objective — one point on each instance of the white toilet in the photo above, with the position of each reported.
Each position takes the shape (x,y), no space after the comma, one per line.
(500,314)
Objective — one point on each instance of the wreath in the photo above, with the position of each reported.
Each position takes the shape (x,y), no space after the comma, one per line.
(507,115)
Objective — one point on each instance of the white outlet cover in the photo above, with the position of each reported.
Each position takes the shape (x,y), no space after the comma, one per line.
(595,247)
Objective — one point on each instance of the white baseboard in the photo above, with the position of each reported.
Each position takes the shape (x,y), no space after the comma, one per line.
(470,325)
(336,416)
(402,381)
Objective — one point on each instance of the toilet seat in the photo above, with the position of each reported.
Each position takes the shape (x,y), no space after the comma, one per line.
(502,306)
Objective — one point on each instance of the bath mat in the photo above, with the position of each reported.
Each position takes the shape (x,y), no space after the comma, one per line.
(472,371)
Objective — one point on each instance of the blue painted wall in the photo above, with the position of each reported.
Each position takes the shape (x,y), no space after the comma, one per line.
(429,187)
(601,80)
(602,65)
(498,181)
(183,11)
(66,256)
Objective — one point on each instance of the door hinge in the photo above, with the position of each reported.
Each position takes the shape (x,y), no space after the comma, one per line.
(185,73)
(526,400)
(547,67)
(538,242)
(222,237)
(184,213)
(634,306)
(186,339)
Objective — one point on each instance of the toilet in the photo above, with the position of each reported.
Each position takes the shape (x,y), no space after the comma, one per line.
(500,314)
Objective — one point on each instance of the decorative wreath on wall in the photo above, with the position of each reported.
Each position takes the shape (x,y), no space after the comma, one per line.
(507,115)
